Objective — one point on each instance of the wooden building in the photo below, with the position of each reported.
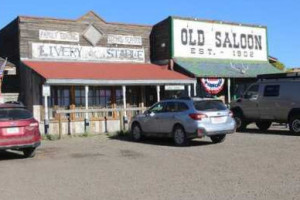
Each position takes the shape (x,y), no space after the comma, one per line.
(85,63)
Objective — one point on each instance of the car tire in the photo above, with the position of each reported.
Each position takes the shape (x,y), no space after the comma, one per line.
(241,123)
(218,138)
(294,124)
(263,126)
(136,132)
(29,152)
(179,136)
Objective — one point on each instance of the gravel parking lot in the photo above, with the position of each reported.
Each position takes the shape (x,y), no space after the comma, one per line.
(248,165)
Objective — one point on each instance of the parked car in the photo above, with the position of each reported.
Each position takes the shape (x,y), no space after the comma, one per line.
(183,120)
(18,129)
(273,98)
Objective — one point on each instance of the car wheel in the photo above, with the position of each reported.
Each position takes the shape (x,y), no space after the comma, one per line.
(179,136)
(218,138)
(294,124)
(263,126)
(29,152)
(136,132)
(241,123)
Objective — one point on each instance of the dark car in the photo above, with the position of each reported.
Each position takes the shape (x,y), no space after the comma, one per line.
(18,129)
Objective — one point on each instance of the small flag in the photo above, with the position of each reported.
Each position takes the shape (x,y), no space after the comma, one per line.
(2,66)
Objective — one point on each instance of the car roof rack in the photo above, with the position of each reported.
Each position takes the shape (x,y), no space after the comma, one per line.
(291,75)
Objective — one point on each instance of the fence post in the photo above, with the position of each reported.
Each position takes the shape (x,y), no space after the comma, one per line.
(121,120)
(59,126)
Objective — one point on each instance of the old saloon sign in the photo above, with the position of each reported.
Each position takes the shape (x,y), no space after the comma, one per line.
(199,39)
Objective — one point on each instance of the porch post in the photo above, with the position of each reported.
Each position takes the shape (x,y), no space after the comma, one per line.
(86,104)
(46,94)
(228,90)
(195,89)
(189,90)
(158,93)
(124,98)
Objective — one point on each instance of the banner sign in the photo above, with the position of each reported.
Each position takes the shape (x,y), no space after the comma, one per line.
(213,85)
(59,36)
(124,39)
(196,39)
(86,53)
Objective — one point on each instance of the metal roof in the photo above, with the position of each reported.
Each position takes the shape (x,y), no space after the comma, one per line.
(225,68)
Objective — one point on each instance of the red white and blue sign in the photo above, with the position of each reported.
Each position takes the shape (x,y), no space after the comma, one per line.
(213,85)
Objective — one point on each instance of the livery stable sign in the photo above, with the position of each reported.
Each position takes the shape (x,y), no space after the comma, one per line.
(86,53)
(198,39)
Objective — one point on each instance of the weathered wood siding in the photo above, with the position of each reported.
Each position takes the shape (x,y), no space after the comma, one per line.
(161,43)
(29,32)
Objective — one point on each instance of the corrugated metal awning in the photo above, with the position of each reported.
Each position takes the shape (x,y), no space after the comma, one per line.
(225,68)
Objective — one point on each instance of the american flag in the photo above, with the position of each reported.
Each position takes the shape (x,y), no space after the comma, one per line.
(2,66)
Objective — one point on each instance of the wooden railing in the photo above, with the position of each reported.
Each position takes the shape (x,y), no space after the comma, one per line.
(104,113)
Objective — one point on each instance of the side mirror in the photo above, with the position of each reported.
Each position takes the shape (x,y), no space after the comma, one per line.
(146,112)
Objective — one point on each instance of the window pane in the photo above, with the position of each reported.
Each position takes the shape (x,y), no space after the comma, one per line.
(271,91)
(210,105)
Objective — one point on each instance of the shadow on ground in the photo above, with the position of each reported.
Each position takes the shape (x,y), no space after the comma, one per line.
(10,155)
(273,131)
(159,141)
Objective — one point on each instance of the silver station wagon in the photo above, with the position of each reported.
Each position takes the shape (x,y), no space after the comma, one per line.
(183,120)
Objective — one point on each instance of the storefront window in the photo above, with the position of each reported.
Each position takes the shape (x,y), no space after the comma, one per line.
(132,96)
(119,97)
(79,96)
(99,96)
(60,96)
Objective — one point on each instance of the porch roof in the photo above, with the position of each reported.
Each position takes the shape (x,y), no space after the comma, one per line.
(225,68)
(85,73)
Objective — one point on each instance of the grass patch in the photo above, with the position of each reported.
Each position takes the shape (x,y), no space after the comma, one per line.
(50,137)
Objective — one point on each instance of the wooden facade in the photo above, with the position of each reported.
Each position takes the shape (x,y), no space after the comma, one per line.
(16,41)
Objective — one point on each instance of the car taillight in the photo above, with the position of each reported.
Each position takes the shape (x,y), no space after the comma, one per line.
(197,116)
(34,124)
(230,114)
(31,126)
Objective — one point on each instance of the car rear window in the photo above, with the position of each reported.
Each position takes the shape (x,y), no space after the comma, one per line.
(209,105)
(14,114)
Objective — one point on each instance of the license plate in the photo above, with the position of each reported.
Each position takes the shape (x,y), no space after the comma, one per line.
(218,120)
(12,131)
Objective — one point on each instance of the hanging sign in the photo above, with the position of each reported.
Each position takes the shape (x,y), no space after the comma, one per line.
(174,87)
(46,90)
(213,85)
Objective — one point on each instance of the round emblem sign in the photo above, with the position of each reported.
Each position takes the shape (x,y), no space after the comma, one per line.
(213,85)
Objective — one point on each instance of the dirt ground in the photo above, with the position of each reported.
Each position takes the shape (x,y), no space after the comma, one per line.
(250,165)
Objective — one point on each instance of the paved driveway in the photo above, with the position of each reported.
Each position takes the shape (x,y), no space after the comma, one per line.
(246,166)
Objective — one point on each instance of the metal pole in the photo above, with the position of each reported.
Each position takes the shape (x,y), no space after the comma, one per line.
(46,114)
(86,106)
(123,120)
(158,93)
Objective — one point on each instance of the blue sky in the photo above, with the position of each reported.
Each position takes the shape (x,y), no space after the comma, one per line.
(281,17)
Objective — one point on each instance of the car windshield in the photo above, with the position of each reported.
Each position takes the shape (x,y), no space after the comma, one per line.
(14,114)
(209,105)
